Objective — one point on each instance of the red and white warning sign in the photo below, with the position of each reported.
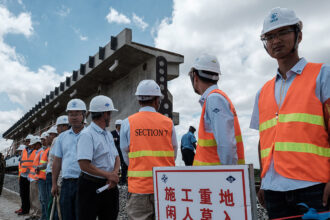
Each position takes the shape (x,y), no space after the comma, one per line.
(204,193)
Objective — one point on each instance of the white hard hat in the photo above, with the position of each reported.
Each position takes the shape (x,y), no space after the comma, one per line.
(118,122)
(52,130)
(147,89)
(76,105)
(34,140)
(209,63)
(62,120)
(101,103)
(28,137)
(280,17)
(21,147)
(44,135)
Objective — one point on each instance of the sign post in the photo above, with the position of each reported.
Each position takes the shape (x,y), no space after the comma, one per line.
(205,192)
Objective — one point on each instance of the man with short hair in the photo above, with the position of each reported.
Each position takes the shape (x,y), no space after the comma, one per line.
(147,139)
(26,162)
(33,178)
(66,159)
(219,135)
(188,146)
(99,163)
(116,136)
(291,112)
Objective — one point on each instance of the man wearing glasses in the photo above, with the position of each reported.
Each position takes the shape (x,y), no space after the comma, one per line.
(289,113)
(66,159)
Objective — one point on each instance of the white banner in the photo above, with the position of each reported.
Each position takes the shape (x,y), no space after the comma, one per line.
(203,193)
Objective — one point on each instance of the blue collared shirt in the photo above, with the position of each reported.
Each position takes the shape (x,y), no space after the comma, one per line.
(97,145)
(219,120)
(125,135)
(66,148)
(188,140)
(273,180)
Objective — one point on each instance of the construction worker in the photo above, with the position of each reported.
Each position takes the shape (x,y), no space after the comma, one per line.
(289,114)
(99,163)
(61,125)
(41,174)
(123,167)
(219,134)
(33,178)
(188,146)
(66,160)
(26,162)
(2,171)
(147,139)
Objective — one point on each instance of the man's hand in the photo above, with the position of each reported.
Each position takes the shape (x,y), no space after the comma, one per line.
(261,197)
(37,170)
(55,189)
(113,177)
(326,194)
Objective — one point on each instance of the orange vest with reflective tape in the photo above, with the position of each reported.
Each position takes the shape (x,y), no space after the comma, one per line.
(27,161)
(150,146)
(295,135)
(206,150)
(43,160)
(33,175)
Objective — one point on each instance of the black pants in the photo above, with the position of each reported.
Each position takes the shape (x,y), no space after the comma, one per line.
(284,204)
(104,205)
(123,178)
(24,191)
(188,156)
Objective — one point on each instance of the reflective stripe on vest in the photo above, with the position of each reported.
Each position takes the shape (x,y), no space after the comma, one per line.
(206,151)
(27,161)
(148,149)
(298,134)
(146,153)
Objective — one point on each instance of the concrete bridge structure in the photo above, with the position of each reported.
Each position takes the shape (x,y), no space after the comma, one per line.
(115,70)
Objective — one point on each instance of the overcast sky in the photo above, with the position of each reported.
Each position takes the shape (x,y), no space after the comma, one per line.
(44,41)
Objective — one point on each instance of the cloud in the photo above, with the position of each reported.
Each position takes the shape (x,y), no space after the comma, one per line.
(10,24)
(139,22)
(230,30)
(22,85)
(63,11)
(81,37)
(115,17)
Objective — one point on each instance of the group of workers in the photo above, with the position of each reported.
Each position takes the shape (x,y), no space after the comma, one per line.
(291,112)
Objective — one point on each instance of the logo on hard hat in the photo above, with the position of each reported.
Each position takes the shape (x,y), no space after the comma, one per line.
(273,17)
(213,61)
(107,105)
(74,104)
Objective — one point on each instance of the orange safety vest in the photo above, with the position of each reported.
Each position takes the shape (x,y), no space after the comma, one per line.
(150,146)
(43,160)
(33,175)
(295,135)
(26,162)
(206,150)
(19,169)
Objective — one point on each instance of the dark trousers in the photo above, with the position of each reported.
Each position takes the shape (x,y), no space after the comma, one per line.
(284,204)
(123,178)
(48,192)
(43,197)
(188,156)
(68,199)
(104,205)
(24,191)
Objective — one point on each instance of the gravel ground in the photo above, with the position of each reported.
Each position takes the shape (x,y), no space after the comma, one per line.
(10,203)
